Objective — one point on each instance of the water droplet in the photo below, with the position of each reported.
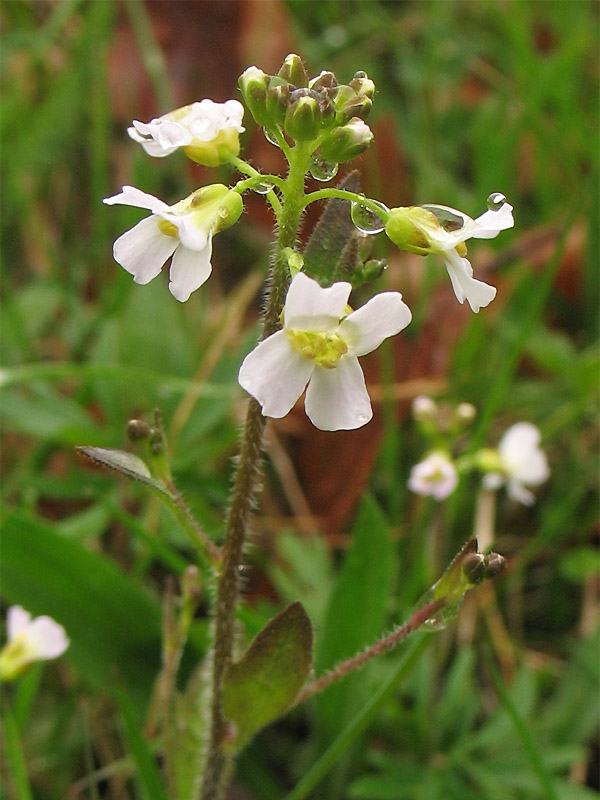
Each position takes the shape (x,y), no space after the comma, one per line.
(450,219)
(270,137)
(360,75)
(369,221)
(443,617)
(263,187)
(495,201)
(323,170)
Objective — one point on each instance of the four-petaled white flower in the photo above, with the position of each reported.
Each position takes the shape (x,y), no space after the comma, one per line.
(435,476)
(184,231)
(29,640)
(319,346)
(206,131)
(443,230)
(521,463)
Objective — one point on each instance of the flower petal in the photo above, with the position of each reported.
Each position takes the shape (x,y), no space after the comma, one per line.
(275,374)
(310,307)
(189,270)
(489,225)
(192,235)
(337,399)
(130,196)
(47,638)
(143,250)
(466,287)
(17,620)
(519,449)
(384,315)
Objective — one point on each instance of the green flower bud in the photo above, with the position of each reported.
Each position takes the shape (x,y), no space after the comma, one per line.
(293,71)
(348,142)
(362,84)
(358,107)
(278,98)
(410,227)
(303,118)
(253,84)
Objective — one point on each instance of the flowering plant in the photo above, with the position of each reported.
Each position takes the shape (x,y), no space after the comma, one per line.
(310,342)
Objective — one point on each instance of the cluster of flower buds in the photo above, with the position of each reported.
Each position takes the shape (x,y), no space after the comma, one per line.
(152,441)
(318,110)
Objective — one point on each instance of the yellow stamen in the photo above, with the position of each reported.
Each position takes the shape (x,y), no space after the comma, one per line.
(325,349)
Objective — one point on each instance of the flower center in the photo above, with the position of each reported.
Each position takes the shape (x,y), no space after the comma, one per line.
(166,227)
(325,349)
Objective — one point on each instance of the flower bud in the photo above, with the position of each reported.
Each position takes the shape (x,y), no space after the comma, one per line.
(465,413)
(410,227)
(474,567)
(253,84)
(348,142)
(362,84)
(358,107)
(217,151)
(303,118)
(424,408)
(278,98)
(293,71)
(137,429)
(325,82)
(494,565)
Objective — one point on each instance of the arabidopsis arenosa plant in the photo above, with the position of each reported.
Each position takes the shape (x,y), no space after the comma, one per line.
(435,476)
(29,640)
(184,231)
(319,346)
(207,132)
(443,230)
(522,463)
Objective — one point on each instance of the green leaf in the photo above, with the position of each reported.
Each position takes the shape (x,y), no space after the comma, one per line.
(127,464)
(266,680)
(354,619)
(331,235)
(110,619)
(146,773)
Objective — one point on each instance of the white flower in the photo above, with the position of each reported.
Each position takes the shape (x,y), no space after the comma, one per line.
(424,408)
(29,640)
(184,231)
(435,476)
(443,230)
(521,463)
(319,347)
(206,131)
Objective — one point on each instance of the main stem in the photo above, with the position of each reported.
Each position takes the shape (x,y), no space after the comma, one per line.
(218,763)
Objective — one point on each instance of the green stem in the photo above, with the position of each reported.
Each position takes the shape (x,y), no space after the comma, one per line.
(359,723)
(344,194)
(218,764)
(255,178)
(15,757)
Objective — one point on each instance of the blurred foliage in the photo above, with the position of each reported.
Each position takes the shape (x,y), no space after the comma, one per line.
(471,98)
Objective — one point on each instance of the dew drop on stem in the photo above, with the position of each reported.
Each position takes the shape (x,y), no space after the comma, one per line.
(323,170)
(367,220)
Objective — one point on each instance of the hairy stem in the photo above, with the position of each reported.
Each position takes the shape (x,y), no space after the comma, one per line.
(360,659)
(218,763)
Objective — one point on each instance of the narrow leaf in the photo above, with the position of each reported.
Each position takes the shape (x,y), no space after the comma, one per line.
(126,464)
(265,681)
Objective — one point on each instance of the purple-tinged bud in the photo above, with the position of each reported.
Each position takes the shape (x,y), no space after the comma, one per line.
(348,142)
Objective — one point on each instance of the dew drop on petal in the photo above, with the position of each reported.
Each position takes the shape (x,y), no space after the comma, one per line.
(264,187)
(495,201)
(369,221)
(323,170)
(450,219)
(270,137)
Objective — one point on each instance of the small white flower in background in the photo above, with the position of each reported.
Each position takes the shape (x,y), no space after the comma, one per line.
(207,132)
(435,476)
(521,463)
(442,230)
(29,640)
(184,231)
(424,408)
(318,349)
